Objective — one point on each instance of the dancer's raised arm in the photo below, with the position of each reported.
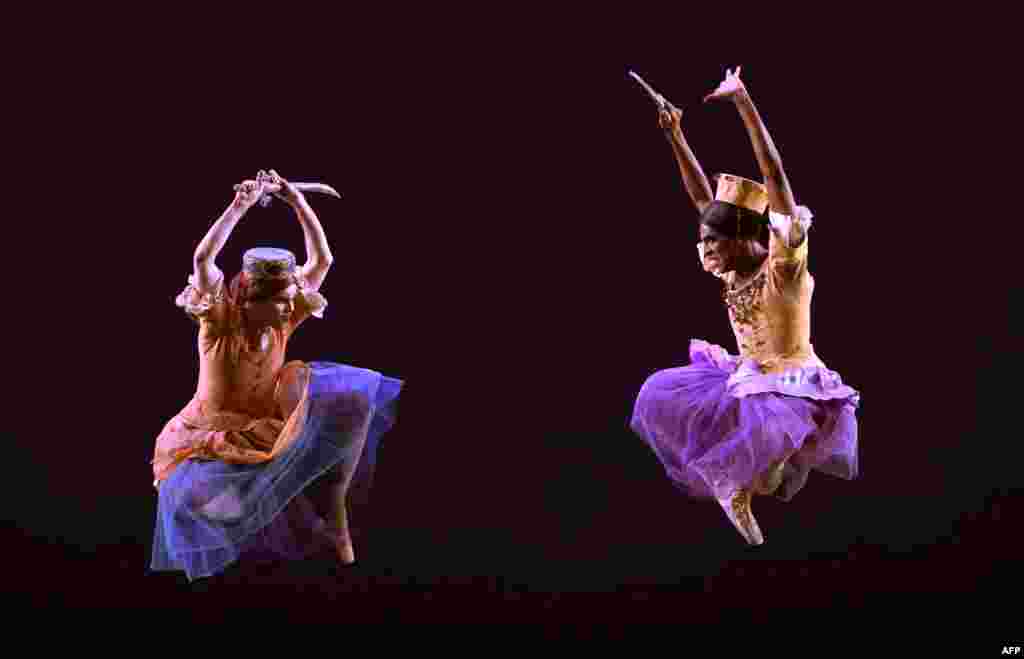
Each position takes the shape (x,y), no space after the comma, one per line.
(318,253)
(207,274)
(693,176)
(780,196)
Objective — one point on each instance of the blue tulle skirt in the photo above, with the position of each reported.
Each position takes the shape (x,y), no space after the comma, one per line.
(212,513)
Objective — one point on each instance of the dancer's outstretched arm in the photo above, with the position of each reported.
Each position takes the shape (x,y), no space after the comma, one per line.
(780,196)
(789,223)
(207,274)
(693,176)
(318,253)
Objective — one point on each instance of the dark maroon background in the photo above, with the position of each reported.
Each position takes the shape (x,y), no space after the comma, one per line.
(515,243)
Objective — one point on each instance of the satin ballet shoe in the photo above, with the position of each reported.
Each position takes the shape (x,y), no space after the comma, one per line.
(737,509)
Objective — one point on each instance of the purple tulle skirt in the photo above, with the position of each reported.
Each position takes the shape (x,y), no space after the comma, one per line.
(717,424)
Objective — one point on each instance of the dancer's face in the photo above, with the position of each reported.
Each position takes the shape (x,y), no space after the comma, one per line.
(718,253)
(274,311)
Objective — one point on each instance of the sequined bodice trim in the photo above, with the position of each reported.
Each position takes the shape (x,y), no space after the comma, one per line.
(744,303)
(769,325)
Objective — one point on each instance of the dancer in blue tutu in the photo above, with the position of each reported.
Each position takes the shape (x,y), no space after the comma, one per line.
(728,427)
(235,468)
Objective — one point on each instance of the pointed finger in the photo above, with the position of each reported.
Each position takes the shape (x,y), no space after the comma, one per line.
(738,71)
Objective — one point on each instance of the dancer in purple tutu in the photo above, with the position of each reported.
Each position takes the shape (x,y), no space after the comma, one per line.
(728,427)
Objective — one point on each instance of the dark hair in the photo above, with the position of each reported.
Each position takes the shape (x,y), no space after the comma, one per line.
(731,221)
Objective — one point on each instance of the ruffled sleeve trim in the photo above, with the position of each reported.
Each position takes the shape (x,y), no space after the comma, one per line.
(787,248)
(791,230)
(314,301)
(198,305)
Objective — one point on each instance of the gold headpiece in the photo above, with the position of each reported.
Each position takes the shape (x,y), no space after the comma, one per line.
(742,192)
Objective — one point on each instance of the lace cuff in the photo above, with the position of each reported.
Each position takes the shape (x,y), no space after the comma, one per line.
(197,305)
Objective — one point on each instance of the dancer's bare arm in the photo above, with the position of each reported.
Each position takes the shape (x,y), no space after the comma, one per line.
(696,182)
(207,274)
(780,195)
(318,253)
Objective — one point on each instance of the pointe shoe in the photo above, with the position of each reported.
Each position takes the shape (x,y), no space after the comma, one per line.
(737,509)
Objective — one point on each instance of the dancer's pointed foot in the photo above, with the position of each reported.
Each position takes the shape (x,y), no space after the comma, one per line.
(337,534)
(342,543)
(737,509)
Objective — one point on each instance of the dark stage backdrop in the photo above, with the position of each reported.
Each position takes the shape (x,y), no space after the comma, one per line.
(514,242)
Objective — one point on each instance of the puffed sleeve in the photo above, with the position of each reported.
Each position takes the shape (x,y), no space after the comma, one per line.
(308,303)
(787,248)
(204,308)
